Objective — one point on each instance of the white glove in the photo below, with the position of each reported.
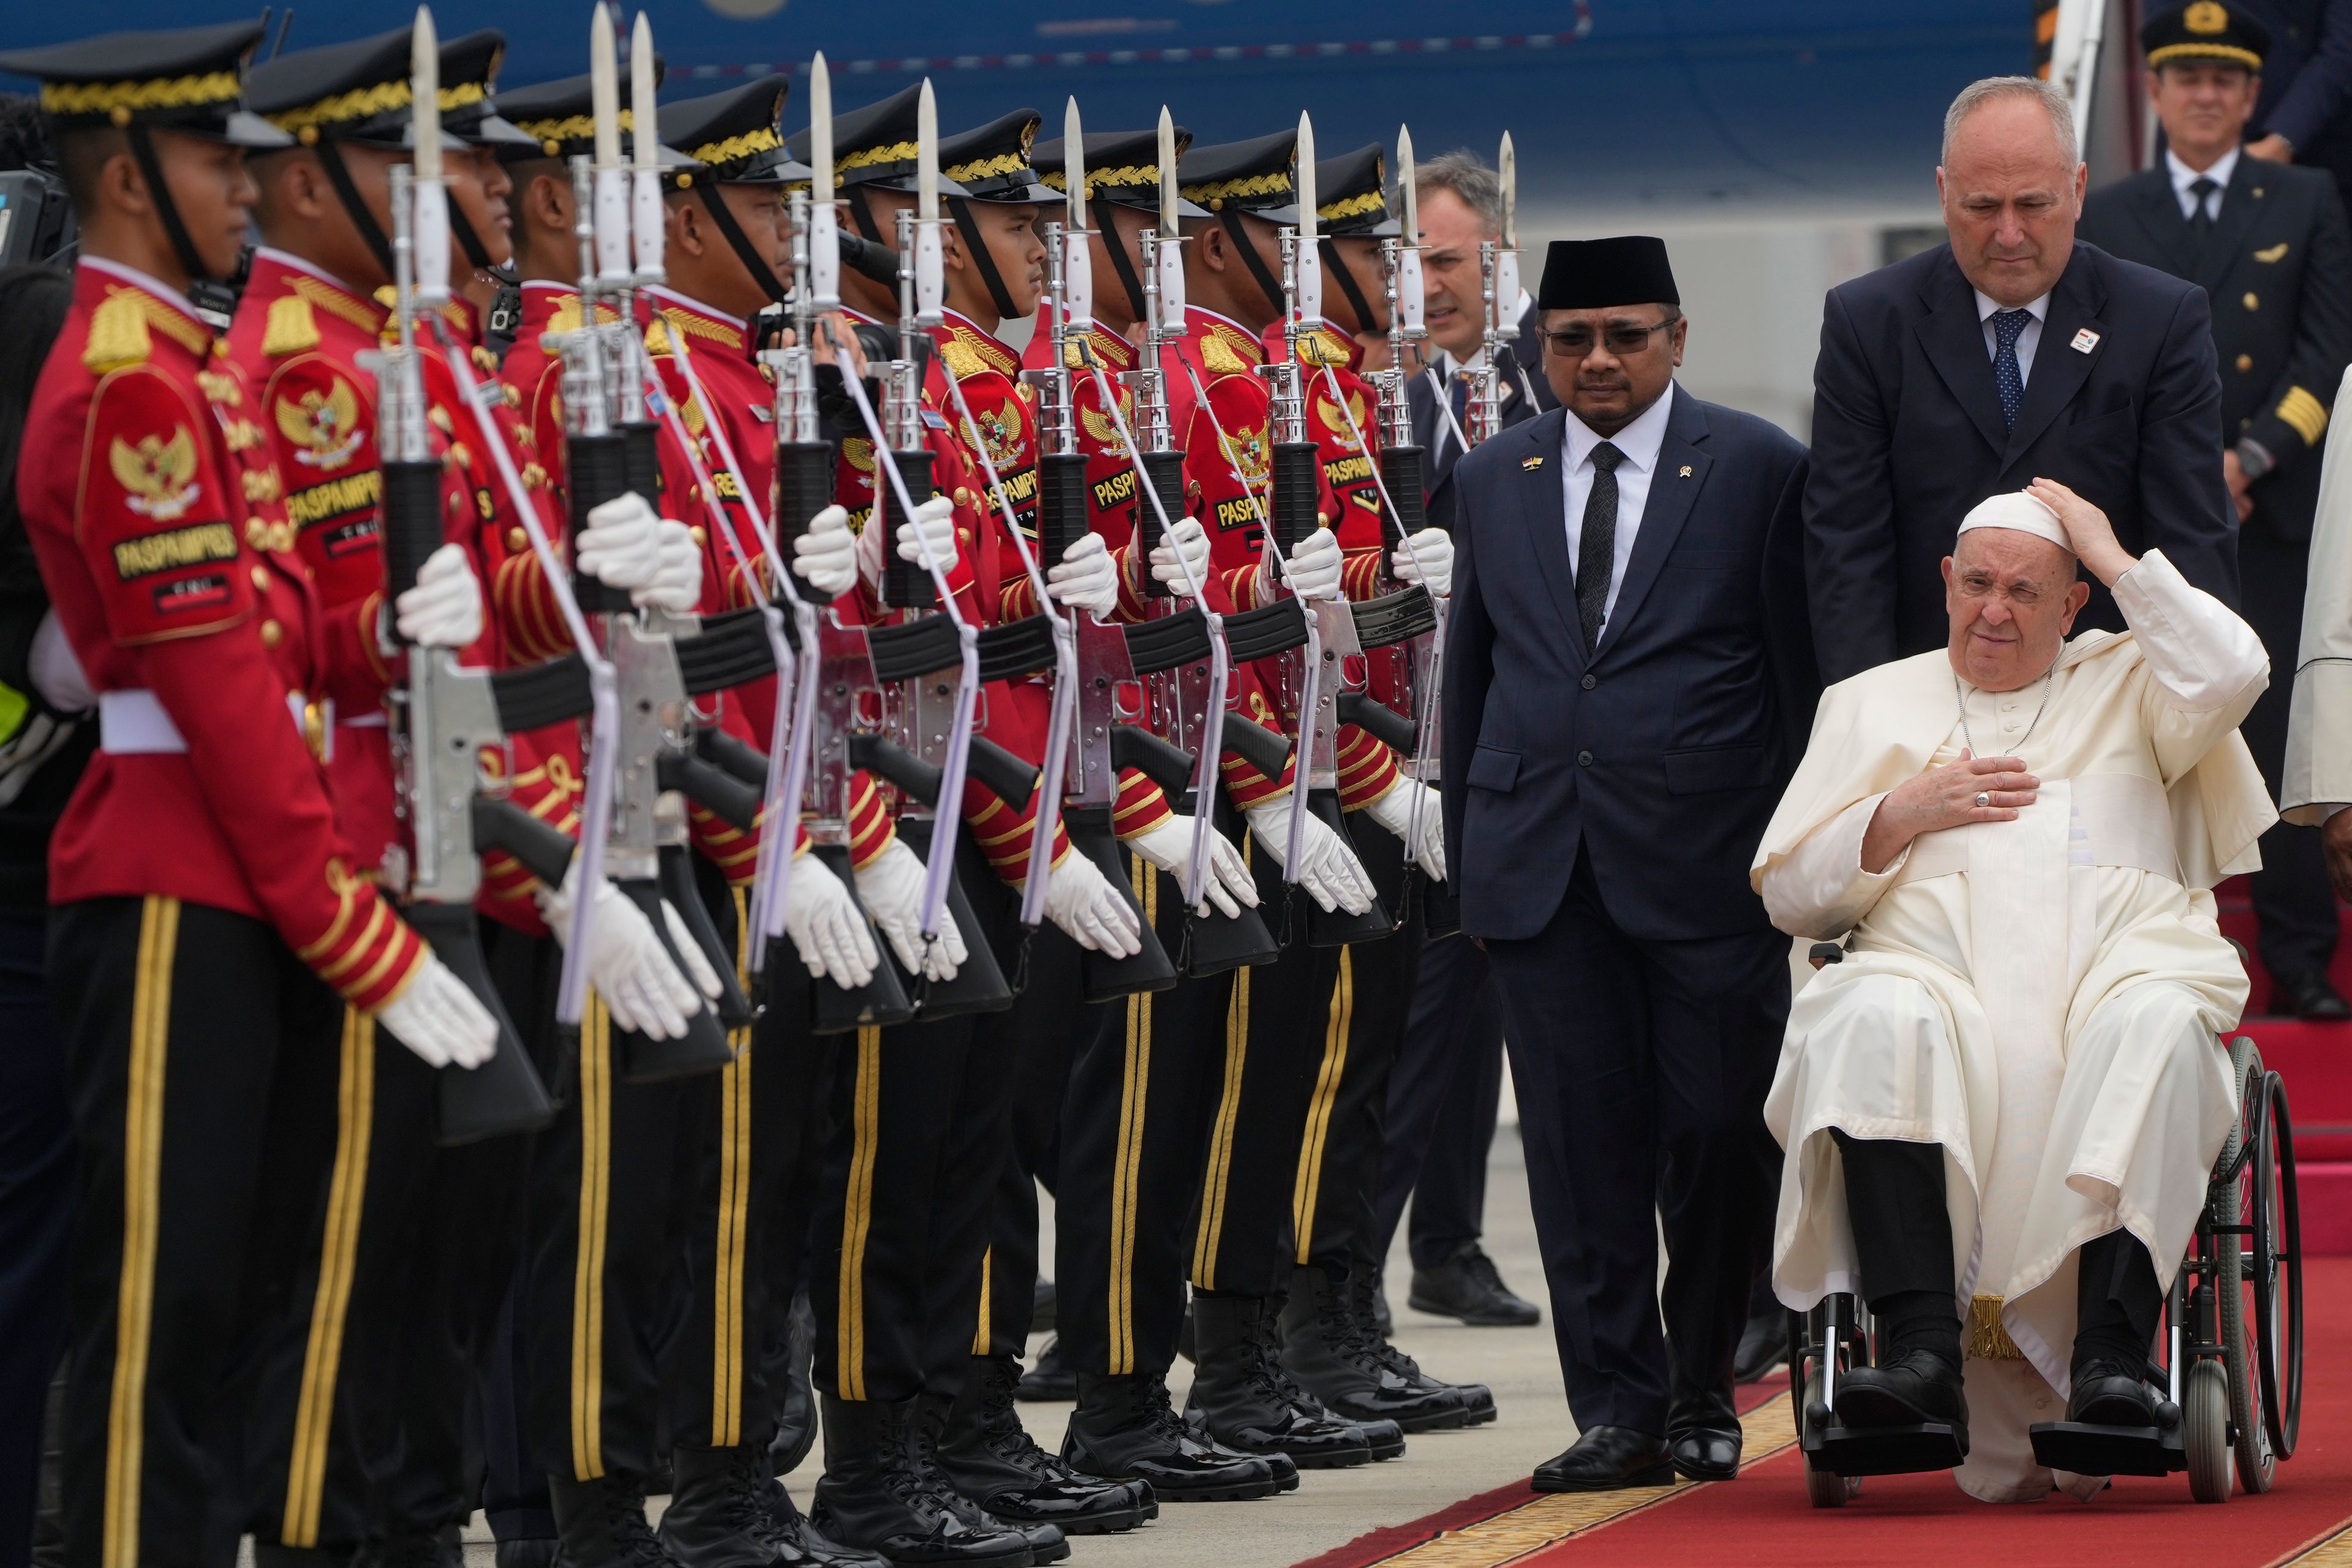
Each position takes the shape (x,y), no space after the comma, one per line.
(641,986)
(621,546)
(1087,579)
(676,582)
(892,886)
(439,1020)
(445,609)
(934,521)
(1193,544)
(1313,569)
(1328,869)
(1435,548)
(1228,885)
(827,932)
(1081,900)
(56,672)
(825,557)
(1393,811)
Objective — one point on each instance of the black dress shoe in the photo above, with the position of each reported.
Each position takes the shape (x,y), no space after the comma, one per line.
(2111,1393)
(2308,994)
(1466,1285)
(1606,1458)
(1703,1435)
(1913,1387)
(1763,1343)
(1048,1379)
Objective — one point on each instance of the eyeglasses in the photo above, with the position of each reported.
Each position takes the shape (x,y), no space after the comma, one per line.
(1577,341)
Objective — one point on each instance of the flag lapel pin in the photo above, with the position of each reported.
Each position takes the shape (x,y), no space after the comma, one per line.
(1530,463)
(2085,342)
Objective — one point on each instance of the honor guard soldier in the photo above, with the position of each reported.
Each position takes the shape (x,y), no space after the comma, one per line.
(1331,1340)
(2267,243)
(202,985)
(410,1260)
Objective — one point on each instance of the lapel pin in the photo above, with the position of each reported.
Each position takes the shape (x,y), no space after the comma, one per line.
(1531,462)
(1685,473)
(2085,342)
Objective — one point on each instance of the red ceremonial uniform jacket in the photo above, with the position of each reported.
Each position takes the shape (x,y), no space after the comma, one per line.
(155,509)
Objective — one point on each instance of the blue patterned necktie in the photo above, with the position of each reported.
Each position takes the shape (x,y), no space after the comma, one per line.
(2006,376)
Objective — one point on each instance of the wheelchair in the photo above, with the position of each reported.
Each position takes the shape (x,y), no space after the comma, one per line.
(2232,1367)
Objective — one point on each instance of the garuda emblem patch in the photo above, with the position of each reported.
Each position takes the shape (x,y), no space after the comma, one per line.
(324,426)
(158,474)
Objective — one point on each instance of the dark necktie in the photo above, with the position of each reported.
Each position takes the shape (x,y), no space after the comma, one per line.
(2006,376)
(2201,216)
(1596,553)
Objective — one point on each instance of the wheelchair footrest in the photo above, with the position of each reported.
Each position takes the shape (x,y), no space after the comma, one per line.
(1885,1450)
(2089,1449)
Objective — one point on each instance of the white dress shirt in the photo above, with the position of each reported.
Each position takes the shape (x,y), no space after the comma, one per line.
(2027,341)
(1639,441)
(2183,176)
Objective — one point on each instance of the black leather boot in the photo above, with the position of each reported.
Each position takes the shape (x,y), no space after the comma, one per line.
(413,1548)
(989,1457)
(1046,1541)
(1237,1388)
(1364,1303)
(1125,1428)
(882,1493)
(524,1552)
(717,1513)
(799,1544)
(1328,1349)
(602,1524)
(796,1402)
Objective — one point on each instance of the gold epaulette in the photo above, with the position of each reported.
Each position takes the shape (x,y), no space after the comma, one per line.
(118,334)
(1322,347)
(962,358)
(290,328)
(1218,356)
(566,318)
(657,337)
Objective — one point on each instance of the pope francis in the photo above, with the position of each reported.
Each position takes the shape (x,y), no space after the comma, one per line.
(1999,1111)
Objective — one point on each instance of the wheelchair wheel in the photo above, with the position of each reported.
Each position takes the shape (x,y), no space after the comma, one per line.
(2240,1320)
(2275,1262)
(2205,1430)
(1812,1335)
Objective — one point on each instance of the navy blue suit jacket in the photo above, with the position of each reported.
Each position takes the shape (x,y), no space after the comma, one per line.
(1664,753)
(1908,436)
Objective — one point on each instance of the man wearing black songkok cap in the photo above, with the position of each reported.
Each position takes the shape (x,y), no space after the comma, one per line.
(1626,687)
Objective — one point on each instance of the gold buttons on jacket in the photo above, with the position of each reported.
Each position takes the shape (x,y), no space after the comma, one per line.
(698,535)
(261,579)
(516,539)
(272,633)
(2245,362)
(962,496)
(2251,302)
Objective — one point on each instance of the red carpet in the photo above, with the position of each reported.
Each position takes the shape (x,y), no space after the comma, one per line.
(1924,1521)
(2316,1060)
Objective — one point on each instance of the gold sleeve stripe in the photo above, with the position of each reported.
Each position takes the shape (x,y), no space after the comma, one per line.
(2305,413)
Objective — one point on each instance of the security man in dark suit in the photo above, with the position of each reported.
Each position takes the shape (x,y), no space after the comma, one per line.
(1623,701)
(2010,353)
(2269,245)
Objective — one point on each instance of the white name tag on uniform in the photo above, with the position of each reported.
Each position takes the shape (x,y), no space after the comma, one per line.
(2085,342)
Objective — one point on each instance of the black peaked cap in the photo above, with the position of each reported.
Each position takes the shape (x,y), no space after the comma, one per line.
(1254,177)
(1351,193)
(2207,32)
(188,80)
(990,162)
(730,137)
(1122,168)
(357,91)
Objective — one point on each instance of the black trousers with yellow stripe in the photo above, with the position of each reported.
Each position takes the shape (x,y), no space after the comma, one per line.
(1047,1027)
(1135,1113)
(204,1063)
(760,1136)
(920,1139)
(1279,1022)
(1335,1191)
(612,1197)
(359,1428)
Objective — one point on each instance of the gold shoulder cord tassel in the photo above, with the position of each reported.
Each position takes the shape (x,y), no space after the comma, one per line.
(1986,1340)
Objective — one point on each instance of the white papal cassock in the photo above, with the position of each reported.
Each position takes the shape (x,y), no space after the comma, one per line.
(2041,997)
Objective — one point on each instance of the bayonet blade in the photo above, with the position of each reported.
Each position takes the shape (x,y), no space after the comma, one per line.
(644,126)
(1508,165)
(1074,165)
(425,72)
(820,130)
(1306,183)
(1167,175)
(1405,186)
(927,156)
(604,89)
